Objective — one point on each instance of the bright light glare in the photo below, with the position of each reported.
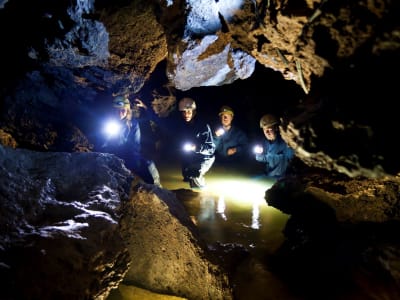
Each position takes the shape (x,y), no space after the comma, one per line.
(258,149)
(221,207)
(220,131)
(112,128)
(255,216)
(189,147)
(243,190)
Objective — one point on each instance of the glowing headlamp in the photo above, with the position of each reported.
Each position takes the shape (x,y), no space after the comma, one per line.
(112,128)
(258,149)
(187,147)
(220,131)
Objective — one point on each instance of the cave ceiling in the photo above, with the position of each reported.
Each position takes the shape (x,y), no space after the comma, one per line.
(63,58)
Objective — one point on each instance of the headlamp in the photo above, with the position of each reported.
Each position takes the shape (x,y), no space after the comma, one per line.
(111,128)
(220,131)
(187,147)
(258,149)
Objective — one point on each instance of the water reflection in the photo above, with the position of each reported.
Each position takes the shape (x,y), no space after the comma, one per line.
(221,207)
(207,209)
(255,224)
(236,196)
(231,209)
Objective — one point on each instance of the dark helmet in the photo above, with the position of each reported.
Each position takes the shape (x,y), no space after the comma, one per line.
(227,110)
(268,120)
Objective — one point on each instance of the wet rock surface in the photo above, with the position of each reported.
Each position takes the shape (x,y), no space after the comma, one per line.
(63,63)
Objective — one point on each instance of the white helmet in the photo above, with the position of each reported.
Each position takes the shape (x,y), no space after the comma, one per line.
(268,120)
(187,104)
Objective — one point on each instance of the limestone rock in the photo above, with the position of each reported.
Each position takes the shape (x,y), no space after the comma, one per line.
(59,224)
(167,253)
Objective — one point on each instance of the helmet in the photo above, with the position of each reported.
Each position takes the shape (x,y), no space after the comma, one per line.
(121,102)
(187,104)
(268,120)
(226,109)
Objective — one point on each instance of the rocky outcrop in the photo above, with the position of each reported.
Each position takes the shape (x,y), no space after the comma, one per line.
(168,255)
(76,56)
(63,63)
(341,228)
(59,218)
(302,41)
(72,229)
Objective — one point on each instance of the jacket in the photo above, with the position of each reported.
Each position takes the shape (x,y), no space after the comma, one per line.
(276,156)
(233,138)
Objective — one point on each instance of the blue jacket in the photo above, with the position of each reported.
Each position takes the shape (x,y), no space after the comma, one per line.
(127,144)
(234,138)
(276,156)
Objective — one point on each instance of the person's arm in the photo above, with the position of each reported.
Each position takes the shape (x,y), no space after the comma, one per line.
(146,114)
(279,157)
(262,156)
(139,103)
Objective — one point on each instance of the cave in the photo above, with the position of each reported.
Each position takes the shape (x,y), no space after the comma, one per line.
(76,223)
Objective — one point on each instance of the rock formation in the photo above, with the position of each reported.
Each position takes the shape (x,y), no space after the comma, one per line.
(63,62)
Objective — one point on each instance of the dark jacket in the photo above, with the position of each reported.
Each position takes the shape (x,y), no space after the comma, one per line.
(233,138)
(198,133)
(126,144)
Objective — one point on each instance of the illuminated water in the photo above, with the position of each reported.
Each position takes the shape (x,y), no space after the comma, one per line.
(231,209)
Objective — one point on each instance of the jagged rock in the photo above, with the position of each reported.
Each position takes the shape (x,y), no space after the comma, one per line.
(65,214)
(168,256)
(59,224)
(328,48)
(340,226)
(63,62)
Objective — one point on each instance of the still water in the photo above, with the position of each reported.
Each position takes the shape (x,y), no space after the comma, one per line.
(231,209)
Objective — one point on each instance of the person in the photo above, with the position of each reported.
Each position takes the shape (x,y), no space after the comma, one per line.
(231,142)
(196,145)
(274,152)
(125,142)
(149,127)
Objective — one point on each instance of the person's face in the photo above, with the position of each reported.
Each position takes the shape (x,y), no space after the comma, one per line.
(270,132)
(187,115)
(122,112)
(226,119)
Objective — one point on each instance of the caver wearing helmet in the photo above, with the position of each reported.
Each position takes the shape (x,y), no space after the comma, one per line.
(268,120)
(123,107)
(226,110)
(193,138)
(231,142)
(187,107)
(269,125)
(274,152)
(126,143)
